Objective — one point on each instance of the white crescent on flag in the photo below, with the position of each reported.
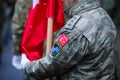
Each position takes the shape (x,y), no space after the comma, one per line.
(35,2)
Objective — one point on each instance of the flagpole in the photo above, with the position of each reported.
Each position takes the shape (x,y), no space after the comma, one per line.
(49,35)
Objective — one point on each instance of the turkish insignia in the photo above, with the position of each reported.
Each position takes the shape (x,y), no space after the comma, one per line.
(63,39)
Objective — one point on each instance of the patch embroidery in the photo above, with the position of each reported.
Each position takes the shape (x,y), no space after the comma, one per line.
(63,39)
(59,45)
(55,49)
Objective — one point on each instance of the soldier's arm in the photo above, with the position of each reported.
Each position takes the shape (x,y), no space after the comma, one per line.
(61,58)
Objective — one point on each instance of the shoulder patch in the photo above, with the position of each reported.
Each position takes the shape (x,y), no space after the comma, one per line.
(63,39)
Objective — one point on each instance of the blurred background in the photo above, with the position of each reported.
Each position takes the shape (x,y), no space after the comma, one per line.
(13,15)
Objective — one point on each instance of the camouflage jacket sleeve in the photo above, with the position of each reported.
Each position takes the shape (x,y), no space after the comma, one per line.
(69,48)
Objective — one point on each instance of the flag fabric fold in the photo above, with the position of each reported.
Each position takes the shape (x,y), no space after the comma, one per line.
(35,30)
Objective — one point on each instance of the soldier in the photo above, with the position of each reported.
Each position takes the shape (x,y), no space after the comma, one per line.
(84,49)
(19,19)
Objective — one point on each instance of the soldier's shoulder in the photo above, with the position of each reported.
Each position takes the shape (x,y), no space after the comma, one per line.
(71,25)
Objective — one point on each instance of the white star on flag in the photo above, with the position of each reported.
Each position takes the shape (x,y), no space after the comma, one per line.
(35,2)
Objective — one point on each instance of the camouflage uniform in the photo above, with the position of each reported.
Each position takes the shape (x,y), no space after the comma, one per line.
(84,49)
(19,19)
(113,8)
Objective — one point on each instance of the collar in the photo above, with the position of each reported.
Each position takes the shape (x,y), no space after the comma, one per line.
(81,6)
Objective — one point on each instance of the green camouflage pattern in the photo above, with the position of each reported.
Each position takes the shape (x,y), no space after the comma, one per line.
(89,53)
(19,20)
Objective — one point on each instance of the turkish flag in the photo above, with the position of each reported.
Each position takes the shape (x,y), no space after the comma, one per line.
(35,30)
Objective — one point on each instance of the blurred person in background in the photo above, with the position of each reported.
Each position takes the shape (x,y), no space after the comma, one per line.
(19,20)
(6,14)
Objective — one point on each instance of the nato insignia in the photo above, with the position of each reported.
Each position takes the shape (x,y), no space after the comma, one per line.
(55,49)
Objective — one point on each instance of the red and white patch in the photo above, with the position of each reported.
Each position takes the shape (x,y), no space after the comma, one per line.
(63,39)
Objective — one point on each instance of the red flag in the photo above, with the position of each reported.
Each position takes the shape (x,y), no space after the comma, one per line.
(55,11)
(36,26)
